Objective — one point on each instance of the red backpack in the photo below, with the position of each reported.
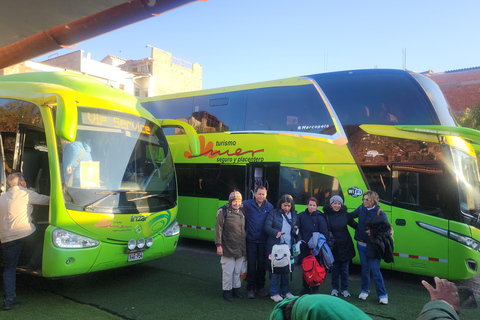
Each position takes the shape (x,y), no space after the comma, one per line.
(313,272)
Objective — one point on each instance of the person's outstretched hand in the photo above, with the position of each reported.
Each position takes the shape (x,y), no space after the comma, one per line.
(445,290)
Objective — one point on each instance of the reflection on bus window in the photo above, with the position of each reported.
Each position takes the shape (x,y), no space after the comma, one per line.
(421,187)
(303,184)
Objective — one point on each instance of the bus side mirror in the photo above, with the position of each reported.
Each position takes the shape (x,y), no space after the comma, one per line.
(66,119)
(191,133)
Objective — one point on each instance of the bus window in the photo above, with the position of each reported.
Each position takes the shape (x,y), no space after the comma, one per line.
(378,178)
(297,108)
(186,185)
(421,188)
(303,184)
(219,112)
(361,98)
(178,109)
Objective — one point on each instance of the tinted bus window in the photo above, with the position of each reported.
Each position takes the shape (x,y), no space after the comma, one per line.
(360,98)
(303,184)
(421,188)
(219,112)
(178,109)
(298,108)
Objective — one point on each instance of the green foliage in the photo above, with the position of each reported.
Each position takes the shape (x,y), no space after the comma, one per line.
(471,118)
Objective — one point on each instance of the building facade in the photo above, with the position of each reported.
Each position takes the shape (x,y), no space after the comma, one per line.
(161,73)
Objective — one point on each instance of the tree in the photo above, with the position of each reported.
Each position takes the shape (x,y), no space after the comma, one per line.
(471,118)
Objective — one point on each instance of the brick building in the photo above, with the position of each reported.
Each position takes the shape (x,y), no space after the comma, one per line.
(460,87)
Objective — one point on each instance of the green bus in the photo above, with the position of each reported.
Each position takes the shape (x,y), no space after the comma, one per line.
(121,206)
(338,133)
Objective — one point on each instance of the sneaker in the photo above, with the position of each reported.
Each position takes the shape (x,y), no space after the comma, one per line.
(10,304)
(263,293)
(334,293)
(346,294)
(251,294)
(287,295)
(383,300)
(276,298)
(363,296)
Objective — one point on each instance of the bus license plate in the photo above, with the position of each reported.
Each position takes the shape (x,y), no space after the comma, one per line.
(135,256)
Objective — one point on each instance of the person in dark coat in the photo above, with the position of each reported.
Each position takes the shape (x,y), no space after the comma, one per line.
(256,211)
(310,221)
(380,245)
(281,226)
(343,250)
(368,209)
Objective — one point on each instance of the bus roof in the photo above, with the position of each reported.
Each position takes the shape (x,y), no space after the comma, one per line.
(294,81)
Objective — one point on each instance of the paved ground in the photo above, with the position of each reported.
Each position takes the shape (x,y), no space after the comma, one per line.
(187,285)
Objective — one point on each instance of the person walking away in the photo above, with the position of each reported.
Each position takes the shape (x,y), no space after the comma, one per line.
(281,226)
(230,237)
(16,229)
(256,211)
(343,250)
(310,221)
(369,209)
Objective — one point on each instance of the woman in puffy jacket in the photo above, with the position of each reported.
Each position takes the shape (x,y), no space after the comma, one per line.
(281,226)
(310,221)
(343,250)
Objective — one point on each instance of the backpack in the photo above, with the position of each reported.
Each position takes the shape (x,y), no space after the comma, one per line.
(280,259)
(313,272)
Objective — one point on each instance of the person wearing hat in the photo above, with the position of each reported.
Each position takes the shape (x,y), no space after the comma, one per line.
(343,250)
(230,238)
(310,221)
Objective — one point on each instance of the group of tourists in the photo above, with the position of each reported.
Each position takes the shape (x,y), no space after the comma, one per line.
(253,228)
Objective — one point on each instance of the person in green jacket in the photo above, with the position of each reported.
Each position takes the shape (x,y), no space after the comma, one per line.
(317,306)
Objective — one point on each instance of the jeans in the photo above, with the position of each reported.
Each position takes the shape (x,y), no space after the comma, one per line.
(284,284)
(255,266)
(340,271)
(11,256)
(371,266)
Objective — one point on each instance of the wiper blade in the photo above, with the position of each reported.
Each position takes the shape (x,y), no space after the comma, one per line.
(162,196)
(97,202)
(149,196)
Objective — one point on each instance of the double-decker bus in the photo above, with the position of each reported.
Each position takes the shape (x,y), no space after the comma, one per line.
(338,133)
(120,206)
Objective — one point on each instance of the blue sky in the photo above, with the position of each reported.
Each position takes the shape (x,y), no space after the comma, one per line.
(246,41)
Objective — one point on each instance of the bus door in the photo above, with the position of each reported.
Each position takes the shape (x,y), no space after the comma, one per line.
(419,198)
(31,158)
(266,175)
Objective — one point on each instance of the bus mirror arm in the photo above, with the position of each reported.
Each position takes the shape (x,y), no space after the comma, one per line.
(189,130)
(66,118)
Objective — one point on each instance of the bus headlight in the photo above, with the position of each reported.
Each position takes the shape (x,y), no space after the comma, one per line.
(172,230)
(141,243)
(149,242)
(131,244)
(68,240)
(467,241)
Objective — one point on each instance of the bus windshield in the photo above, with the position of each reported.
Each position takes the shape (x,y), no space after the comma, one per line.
(468,188)
(118,164)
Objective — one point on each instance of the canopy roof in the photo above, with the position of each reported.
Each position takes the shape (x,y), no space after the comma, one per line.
(31,28)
